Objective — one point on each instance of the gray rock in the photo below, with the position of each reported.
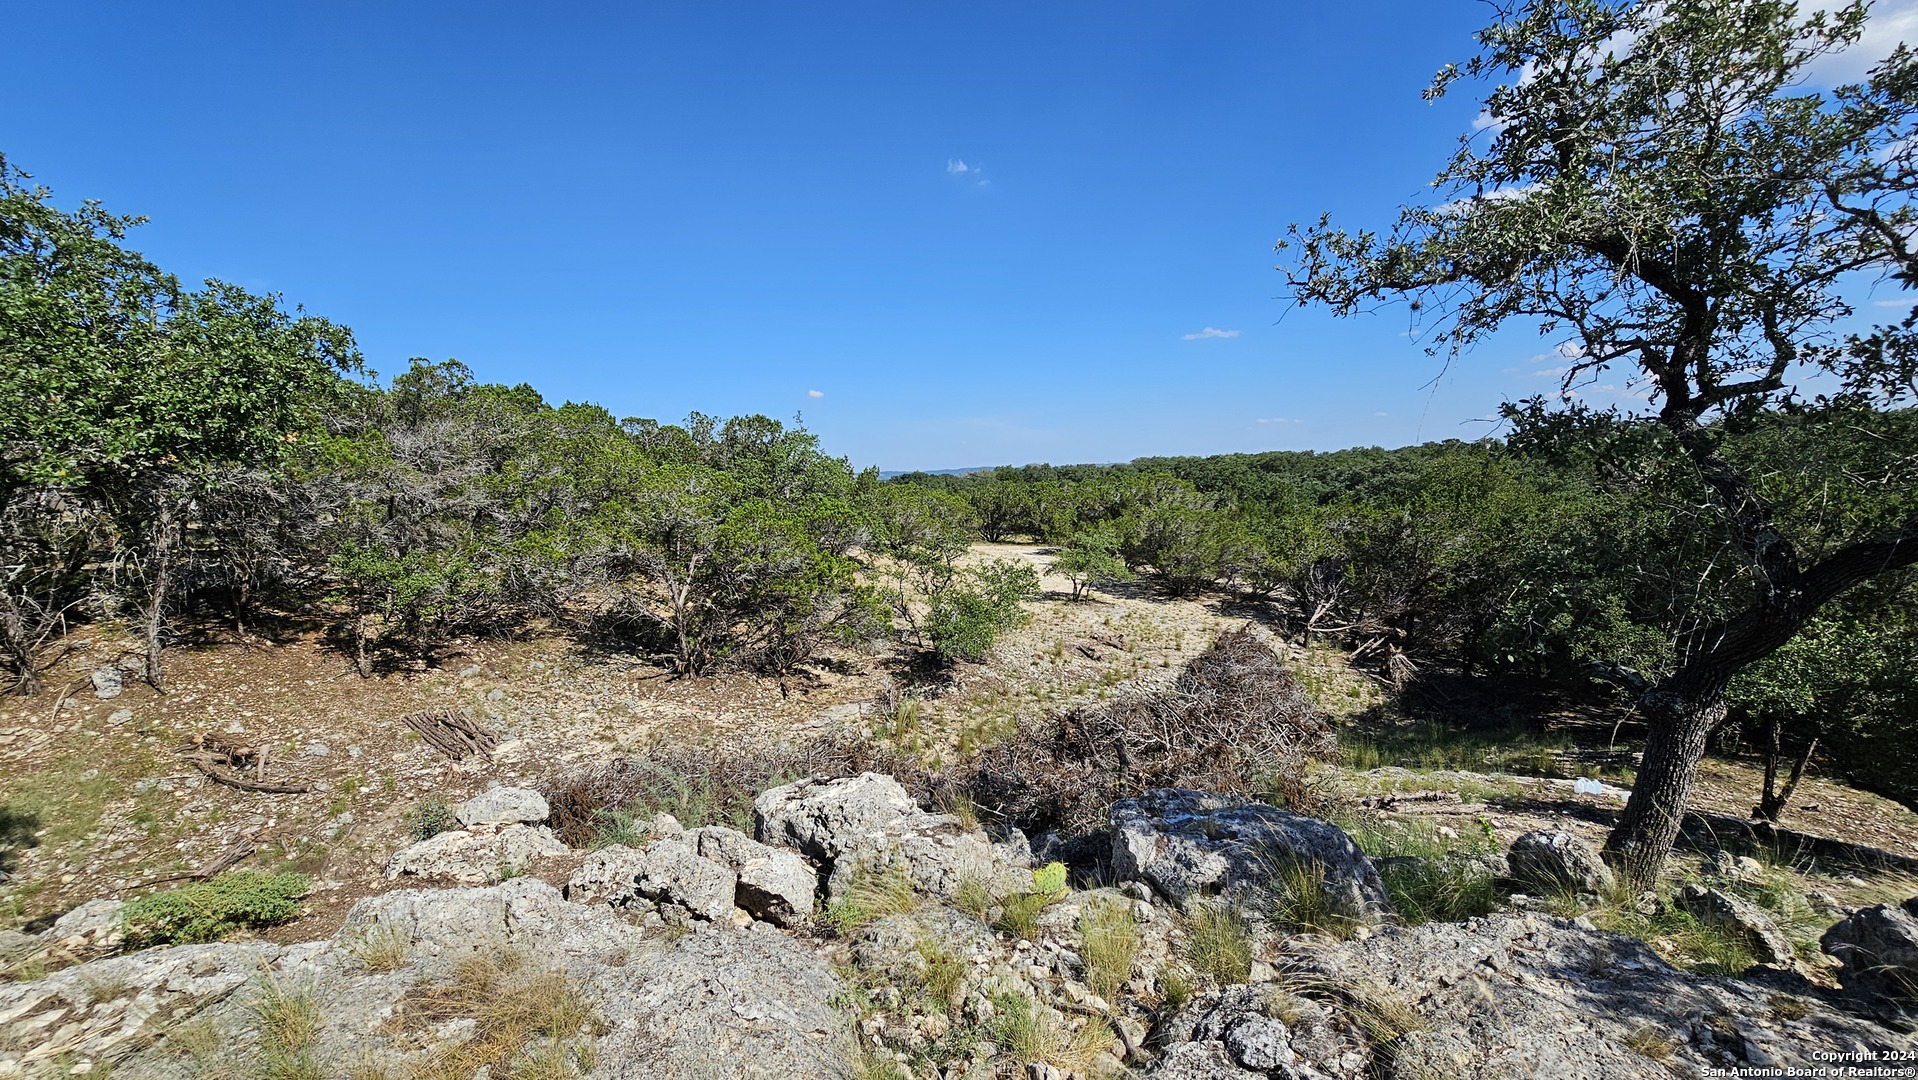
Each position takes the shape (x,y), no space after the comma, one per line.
(1879,949)
(1189,845)
(1201,1061)
(92,927)
(109,681)
(1559,860)
(1769,944)
(1267,1031)
(1525,995)
(120,717)
(822,818)
(868,821)
(670,871)
(475,858)
(774,885)
(503,806)
(747,1004)
(607,876)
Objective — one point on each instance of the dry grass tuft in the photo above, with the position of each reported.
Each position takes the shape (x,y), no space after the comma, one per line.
(1109,942)
(530,1019)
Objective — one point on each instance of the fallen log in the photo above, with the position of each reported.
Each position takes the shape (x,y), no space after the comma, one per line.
(453,732)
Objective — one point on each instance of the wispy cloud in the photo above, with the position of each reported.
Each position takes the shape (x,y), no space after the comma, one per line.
(957,167)
(1381,414)
(1211,332)
(1892,303)
(1890,22)
(1278,420)
(815,394)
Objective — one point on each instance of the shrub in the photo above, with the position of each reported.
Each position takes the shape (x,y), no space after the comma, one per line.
(207,910)
(966,619)
(430,817)
(1235,720)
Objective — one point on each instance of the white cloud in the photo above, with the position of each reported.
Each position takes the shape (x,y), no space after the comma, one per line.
(815,394)
(956,167)
(1892,303)
(976,173)
(1381,414)
(1278,420)
(1891,22)
(1211,332)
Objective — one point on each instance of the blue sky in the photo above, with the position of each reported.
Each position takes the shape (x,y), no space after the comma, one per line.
(948,234)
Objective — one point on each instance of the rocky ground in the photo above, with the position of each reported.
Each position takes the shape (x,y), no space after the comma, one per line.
(937,952)
(98,803)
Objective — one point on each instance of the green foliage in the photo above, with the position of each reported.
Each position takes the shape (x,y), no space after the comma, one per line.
(1090,557)
(1050,879)
(207,910)
(430,817)
(969,612)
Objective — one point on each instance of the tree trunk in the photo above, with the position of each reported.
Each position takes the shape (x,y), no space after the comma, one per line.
(1771,805)
(1680,725)
(17,645)
(159,587)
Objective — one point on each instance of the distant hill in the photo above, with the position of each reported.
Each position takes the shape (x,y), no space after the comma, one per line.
(887,474)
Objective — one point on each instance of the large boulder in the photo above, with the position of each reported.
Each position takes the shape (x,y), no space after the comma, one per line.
(773,885)
(1769,945)
(671,872)
(1559,861)
(606,876)
(1189,845)
(503,806)
(475,858)
(1879,949)
(823,818)
(868,822)
(1526,995)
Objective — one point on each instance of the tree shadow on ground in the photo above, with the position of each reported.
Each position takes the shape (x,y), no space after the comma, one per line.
(19,830)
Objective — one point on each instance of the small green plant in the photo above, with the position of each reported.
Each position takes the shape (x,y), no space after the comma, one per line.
(1298,897)
(1050,879)
(1109,942)
(945,971)
(973,898)
(1019,913)
(1174,990)
(207,910)
(619,827)
(1218,943)
(873,893)
(430,817)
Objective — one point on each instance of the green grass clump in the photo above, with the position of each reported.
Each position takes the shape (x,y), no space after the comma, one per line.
(1019,913)
(288,1022)
(1439,890)
(944,971)
(1218,943)
(208,910)
(1701,945)
(1438,746)
(1109,942)
(872,894)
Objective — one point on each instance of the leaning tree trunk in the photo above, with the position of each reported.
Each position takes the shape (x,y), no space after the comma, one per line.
(1680,725)
(1772,802)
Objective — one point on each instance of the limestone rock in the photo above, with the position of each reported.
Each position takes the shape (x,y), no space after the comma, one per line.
(475,858)
(109,681)
(869,821)
(672,872)
(1189,845)
(607,876)
(1559,860)
(774,885)
(1769,944)
(503,806)
(92,927)
(823,817)
(1879,948)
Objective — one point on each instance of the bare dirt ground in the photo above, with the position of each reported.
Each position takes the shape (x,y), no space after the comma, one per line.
(96,801)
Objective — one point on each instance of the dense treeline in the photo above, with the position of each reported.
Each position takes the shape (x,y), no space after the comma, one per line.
(1573,563)
(171,450)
